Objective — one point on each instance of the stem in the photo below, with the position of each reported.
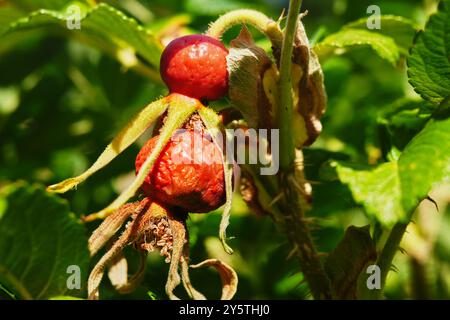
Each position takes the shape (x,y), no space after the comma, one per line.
(284,114)
(293,214)
(386,256)
(245,16)
(390,249)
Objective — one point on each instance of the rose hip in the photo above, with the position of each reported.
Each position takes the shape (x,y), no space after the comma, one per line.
(187,174)
(196,66)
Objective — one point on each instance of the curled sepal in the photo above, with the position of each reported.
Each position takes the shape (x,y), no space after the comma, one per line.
(179,110)
(118,274)
(111,255)
(192,292)
(179,239)
(213,124)
(227,274)
(112,223)
(118,271)
(129,134)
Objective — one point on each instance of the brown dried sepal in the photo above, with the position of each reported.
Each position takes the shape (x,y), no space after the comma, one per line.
(247,65)
(151,227)
(310,99)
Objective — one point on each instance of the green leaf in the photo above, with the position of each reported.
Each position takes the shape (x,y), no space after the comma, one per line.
(39,240)
(400,29)
(347,39)
(408,113)
(425,162)
(404,119)
(429,62)
(214,8)
(348,261)
(378,189)
(103,27)
(391,191)
(7,15)
(43,4)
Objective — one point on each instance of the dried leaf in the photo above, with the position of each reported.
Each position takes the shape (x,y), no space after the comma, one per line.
(250,194)
(347,261)
(121,141)
(247,65)
(227,274)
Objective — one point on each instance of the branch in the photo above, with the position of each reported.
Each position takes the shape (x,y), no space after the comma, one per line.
(293,221)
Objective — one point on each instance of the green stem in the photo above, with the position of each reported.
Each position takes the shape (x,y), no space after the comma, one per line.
(390,249)
(384,261)
(245,16)
(284,114)
(293,220)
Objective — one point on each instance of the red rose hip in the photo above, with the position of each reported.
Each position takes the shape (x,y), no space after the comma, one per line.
(196,66)
(187,174)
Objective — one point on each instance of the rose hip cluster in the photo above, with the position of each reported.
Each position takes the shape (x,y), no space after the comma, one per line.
(194,66)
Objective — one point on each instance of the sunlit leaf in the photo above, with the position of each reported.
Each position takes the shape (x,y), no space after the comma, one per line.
(429,64)
(391,191)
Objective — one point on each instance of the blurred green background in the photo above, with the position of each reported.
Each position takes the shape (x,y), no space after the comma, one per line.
(62,101)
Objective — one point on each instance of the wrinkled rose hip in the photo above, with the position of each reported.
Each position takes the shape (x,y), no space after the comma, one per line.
(187,175)
(196,66)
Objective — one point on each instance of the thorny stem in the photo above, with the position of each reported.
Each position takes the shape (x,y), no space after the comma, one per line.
(245,16)
(384,261)
(293,215)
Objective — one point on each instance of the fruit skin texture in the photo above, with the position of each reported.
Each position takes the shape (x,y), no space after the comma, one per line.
(187,175)
(196,66)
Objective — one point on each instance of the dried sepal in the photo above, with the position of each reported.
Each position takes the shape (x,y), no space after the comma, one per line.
(179,239)
(132,232)
(97,273)
(132,282)
(129,134)
(247,64)
(118,271)
(192,292)
(310,99)
(250,194)
(112,224)
(227,274)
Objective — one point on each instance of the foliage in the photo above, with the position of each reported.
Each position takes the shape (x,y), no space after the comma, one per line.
(384,148)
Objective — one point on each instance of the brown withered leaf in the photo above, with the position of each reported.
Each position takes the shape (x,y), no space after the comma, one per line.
(178,228)
(227,274)
(247,64)
(345,264)
(309,95)
(249,193)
